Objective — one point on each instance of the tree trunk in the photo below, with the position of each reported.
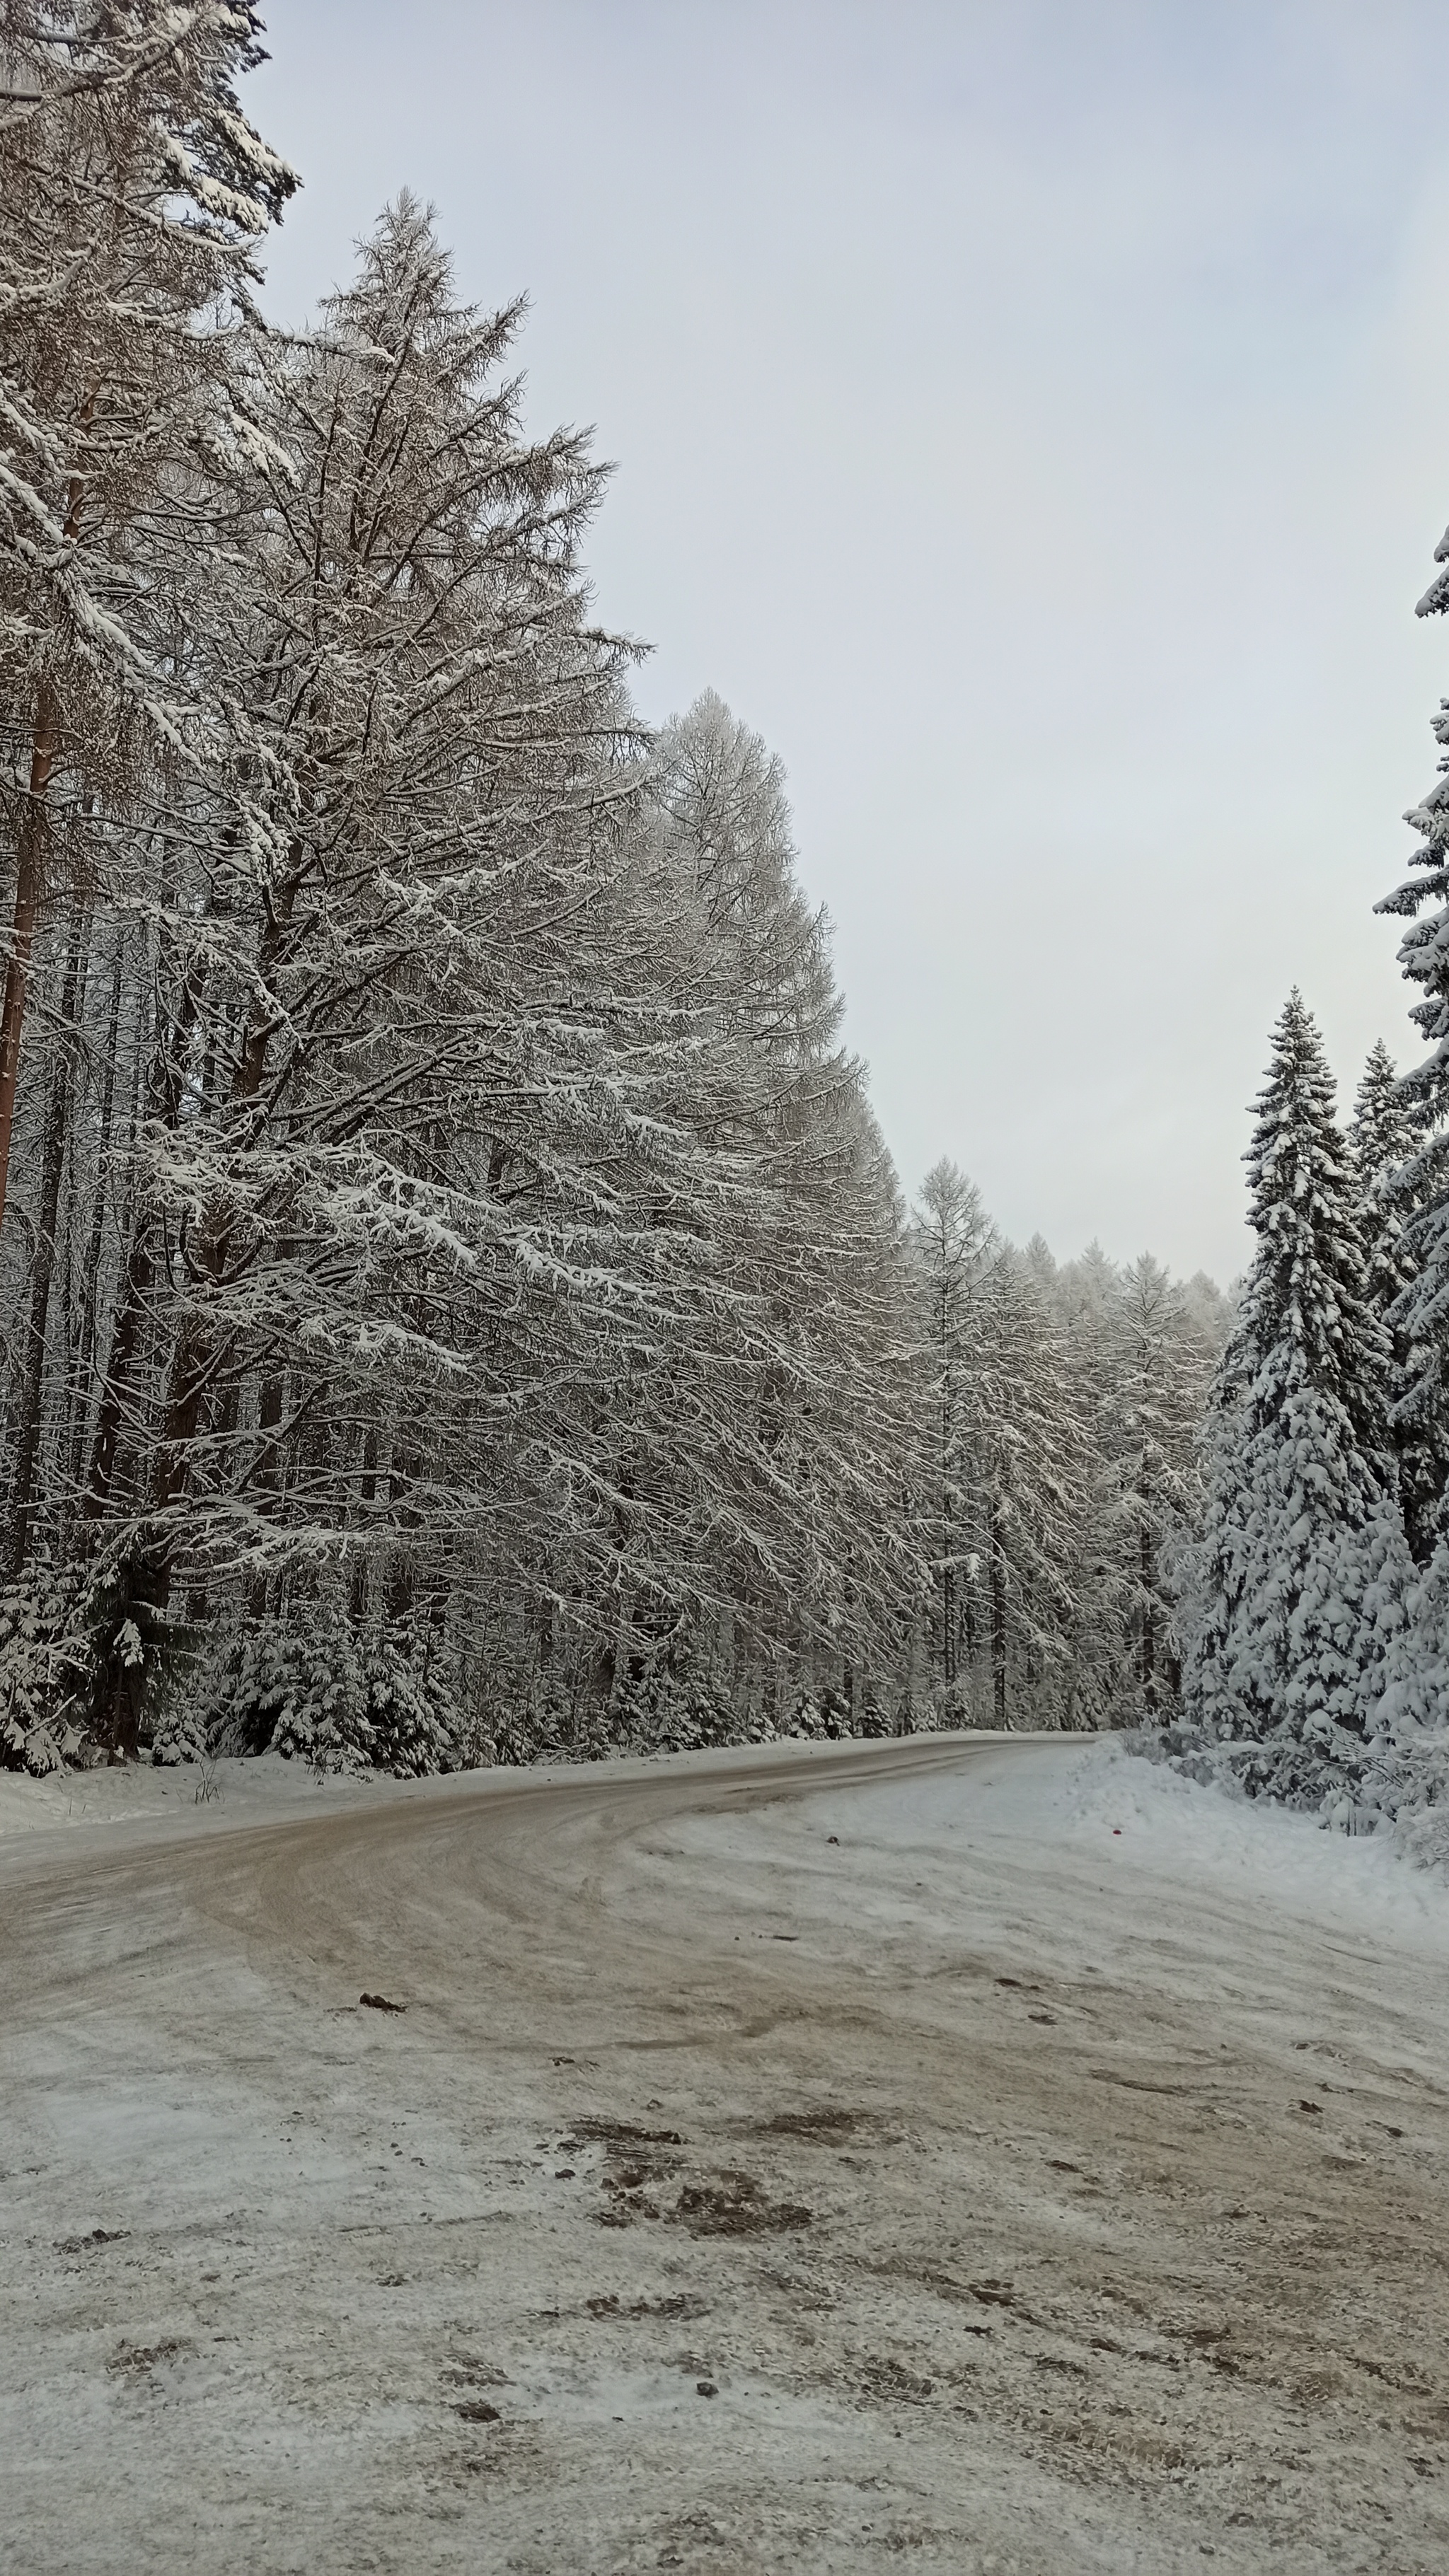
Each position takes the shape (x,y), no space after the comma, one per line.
(264,1478)
(163,1101)
(86,1348)
(847,1676)
(72,1292)
(948,1532)
(125,1343)
(30,860)
(29,872)
(998,1625)
(43,1269)
(357,1600)
(195,1358)
(1149,1625)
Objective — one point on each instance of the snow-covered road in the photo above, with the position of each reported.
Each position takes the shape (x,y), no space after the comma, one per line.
(949,2153)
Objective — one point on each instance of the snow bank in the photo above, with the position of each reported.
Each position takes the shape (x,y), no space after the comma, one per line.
(1144,1817)
(138,1793)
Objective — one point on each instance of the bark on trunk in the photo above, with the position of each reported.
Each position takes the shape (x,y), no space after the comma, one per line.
(86,1349)
(1149,1625)
(125,1344)
(357,1598)
(264,1478)
(163,1101)
(196,1357)
(998,1627)
(30,859)
(43,1269)
(29,876)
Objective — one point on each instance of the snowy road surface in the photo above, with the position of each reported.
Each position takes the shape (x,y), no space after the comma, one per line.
(828,2160)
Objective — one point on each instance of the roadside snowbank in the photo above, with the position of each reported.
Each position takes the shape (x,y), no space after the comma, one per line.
(1145,1817)
(140,1792)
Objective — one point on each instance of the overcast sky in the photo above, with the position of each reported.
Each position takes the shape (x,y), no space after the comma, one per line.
(1035,420)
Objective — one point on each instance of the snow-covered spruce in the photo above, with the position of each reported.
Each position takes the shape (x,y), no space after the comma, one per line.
(1421,1190)
(1292,1596)
(1383,1141)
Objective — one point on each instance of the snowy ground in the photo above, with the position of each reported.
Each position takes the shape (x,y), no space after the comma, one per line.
(1043,2163)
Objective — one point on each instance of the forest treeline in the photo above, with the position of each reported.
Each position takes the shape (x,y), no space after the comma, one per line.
(456,1298)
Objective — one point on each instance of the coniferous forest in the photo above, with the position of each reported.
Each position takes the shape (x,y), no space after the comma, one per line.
(457,1301)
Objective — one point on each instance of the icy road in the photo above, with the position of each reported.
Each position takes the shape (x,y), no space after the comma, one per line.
(946,2154)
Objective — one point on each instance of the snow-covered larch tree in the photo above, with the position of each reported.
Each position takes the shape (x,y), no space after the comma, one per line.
(791,1372)
(1163,1362)
(953,1240)
(132,194)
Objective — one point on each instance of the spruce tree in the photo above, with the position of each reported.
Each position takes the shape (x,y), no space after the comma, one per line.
(1383,1142)
(1291,1588)
(1381,1139)
(1422,1319)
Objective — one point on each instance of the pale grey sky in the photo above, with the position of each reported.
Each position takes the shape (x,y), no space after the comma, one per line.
(1033,416)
